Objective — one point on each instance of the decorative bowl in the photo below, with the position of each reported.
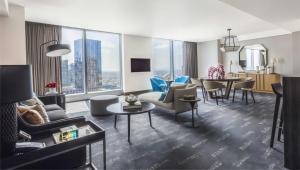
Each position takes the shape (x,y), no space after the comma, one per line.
(131,99)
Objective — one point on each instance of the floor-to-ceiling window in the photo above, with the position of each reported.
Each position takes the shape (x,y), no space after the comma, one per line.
(94,65)
(178,58)
(167,58)
(161,58)
(72,65)
(103,61)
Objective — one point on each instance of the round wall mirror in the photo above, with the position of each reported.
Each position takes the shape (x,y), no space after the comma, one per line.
(253,56)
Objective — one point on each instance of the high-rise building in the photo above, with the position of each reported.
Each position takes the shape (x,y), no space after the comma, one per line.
(93,60)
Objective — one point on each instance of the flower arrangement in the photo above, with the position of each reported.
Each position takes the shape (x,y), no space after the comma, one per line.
(219,70)
(51,85)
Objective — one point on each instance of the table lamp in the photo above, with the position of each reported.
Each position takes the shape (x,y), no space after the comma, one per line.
(15,86)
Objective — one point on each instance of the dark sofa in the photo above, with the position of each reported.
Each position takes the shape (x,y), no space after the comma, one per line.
(54,106)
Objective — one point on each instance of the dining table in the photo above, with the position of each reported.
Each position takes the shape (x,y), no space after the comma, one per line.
(229,81)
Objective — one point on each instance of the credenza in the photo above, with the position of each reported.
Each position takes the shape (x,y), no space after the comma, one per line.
(262,81)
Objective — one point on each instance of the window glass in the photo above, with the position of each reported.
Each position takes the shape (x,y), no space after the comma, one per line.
(178,58)
(72,65)
(161,58)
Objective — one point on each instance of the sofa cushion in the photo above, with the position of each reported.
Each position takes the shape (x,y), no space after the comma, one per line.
(42,112)
(153,97)
(32,117)
(56,115)
(51,107)
(170,94)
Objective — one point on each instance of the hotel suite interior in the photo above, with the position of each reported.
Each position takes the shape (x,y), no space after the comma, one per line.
(150,84)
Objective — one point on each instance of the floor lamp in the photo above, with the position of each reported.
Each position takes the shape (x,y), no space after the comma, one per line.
(16,85)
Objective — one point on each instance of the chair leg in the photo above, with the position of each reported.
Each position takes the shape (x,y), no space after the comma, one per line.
(246,93)
(203,94)
(243,92)
(216,97)
(252,96)
(280,127)
(222,95)
(233,96)
(274,121)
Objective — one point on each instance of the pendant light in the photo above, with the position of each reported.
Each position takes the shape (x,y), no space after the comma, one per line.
(229,43)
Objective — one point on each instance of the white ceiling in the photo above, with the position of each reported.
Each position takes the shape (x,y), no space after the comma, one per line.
(190,20)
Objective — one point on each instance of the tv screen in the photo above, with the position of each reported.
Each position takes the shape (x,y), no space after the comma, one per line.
(140,65)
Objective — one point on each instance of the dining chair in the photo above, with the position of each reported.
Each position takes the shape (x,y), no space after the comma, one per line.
(199,84)
(213,87)
(245,85)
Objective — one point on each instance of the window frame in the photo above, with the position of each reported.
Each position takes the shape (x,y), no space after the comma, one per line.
(86,95)
(171,43)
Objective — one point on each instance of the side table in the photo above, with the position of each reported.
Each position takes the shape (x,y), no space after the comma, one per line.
(193,104)
(53,149)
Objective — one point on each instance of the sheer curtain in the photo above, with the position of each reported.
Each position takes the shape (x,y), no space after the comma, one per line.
(44,69)
(190,63)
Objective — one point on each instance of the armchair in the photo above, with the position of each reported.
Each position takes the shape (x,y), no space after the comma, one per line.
(182,80)
(158,84)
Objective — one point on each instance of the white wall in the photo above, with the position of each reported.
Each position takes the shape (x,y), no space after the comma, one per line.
(296,52)
(208,55)
(278,46)
(135,47)
(12,37)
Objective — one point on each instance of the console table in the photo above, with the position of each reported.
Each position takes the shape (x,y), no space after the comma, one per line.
(52,149)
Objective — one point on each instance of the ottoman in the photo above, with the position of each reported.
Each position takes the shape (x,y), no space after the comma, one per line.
(99,103)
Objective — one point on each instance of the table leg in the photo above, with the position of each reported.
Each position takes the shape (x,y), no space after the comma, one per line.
(228,89)
(149,113)
(128,127)
(104,154)
(116,117)
(193,108)
(90,154)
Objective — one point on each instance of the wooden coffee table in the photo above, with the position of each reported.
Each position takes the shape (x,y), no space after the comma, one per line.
(117,110)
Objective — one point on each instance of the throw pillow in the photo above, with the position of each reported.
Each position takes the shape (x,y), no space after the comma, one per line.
(163,96)
(170,94)
(23,108)
(41,110)
(32,117)
(30,102)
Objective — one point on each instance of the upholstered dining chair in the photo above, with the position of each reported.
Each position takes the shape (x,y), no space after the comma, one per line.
(199,84)
(245,87)
(213,87)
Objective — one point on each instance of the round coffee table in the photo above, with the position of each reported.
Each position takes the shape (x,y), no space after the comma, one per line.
(193,104)
(117,109)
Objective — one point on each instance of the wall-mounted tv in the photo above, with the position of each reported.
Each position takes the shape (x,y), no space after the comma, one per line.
(140,65)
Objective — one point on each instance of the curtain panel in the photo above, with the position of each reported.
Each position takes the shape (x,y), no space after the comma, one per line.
(44,69)
(190,64)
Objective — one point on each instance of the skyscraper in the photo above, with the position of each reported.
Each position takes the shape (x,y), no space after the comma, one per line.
(93,60)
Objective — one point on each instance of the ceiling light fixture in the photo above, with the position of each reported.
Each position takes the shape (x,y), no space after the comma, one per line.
(229,43)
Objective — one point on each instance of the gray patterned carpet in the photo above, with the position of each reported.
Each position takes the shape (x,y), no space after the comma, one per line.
(228,136)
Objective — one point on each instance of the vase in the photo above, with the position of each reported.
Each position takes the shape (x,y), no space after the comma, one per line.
(51,91)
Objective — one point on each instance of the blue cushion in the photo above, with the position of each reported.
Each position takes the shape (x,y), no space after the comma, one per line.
(163,95)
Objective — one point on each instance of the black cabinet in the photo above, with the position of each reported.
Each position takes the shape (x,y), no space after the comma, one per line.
(291,110)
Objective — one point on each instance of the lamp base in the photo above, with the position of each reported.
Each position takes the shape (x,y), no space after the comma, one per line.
(8,130)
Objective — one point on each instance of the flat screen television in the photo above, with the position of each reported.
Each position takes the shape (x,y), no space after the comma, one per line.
(140,65)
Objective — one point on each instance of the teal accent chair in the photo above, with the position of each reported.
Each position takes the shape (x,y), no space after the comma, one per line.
(182,80)
(158,84)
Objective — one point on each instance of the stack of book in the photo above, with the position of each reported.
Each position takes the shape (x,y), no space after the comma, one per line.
(136,105)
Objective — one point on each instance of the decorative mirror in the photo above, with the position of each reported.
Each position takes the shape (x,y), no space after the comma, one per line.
(253,57)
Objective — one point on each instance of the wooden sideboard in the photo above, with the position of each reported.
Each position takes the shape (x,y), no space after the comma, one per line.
(262,81)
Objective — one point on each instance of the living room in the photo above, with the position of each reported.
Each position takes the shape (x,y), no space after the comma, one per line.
(217,79)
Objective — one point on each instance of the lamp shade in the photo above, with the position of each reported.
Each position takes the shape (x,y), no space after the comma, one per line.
(57,50)
(15,83)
